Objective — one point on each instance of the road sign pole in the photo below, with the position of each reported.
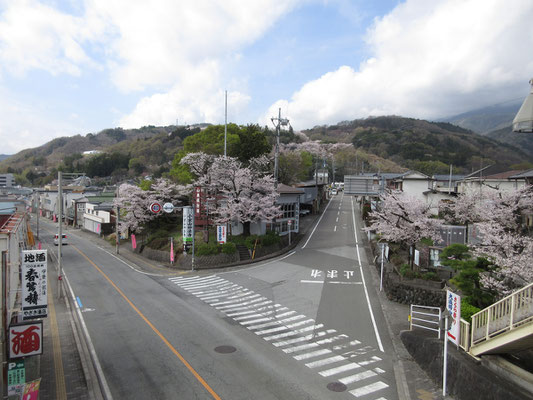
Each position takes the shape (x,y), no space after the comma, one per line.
(381,279)
(445,362)
(193,222)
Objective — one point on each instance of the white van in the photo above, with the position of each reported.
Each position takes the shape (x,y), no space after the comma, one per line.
(63,240)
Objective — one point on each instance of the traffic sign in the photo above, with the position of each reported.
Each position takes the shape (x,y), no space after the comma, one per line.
(155,208)
(168,207)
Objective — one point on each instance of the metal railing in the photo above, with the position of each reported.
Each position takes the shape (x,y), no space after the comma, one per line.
(464,335)
(507,314)
(425,317)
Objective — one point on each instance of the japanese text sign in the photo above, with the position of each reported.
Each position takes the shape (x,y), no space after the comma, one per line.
(25,339)
(453,305)
(188,227)
(34,284)
(221,234)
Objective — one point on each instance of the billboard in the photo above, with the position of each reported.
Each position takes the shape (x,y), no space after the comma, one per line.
(188,224)
(362,185)
(34,284)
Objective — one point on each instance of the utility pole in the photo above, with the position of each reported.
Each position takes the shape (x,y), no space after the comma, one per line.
(60,228)
(225,122)
(278,124)
(117,233)
(38,212)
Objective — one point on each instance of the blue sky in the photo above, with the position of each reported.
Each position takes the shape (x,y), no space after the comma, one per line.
(72,67)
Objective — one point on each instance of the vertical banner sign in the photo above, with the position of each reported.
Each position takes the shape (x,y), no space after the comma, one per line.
(221,234)
(25,339)
(34,284)
(133,242)
(198,206)
(188,227)
(171,250)
(453,305)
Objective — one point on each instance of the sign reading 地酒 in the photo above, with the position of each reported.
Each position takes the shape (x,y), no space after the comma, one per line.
(34,284)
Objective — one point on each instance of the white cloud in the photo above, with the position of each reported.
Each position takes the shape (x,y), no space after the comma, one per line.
(36,36)
(430,59)
(25,126)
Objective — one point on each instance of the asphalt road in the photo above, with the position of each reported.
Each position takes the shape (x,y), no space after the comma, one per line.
(304,326)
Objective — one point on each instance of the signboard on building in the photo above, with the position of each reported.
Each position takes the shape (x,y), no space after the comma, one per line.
(453,305)
(188,224)
(31,390)
(25,339)
(34,284)
(221,234)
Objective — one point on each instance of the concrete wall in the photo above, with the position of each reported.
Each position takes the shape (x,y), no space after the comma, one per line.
(466,378)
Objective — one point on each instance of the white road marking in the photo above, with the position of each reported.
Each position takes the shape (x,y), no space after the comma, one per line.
(312,354)
(325,361)
(378,337)
(255,312)
(335,229)
(374,387)
(338,370)
(300,348)
(314,229)
(357,377)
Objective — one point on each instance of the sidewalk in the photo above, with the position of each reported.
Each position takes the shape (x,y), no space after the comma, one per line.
(63,364)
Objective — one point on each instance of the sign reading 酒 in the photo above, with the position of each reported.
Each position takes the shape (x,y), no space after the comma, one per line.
(25,339)
(34,284)
(188,227)
(453,305)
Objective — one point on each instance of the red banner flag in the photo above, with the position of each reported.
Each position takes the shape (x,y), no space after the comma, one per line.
(133,242)
(171,251)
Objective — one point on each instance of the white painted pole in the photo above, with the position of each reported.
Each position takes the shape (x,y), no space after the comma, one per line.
(382,255)
(445,366)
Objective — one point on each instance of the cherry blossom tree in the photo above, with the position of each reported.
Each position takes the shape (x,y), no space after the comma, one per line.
(498,215)
(512,255)
(403,219)
(244,194)
(134,202)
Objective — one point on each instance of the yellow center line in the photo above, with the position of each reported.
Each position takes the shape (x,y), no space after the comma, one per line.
(172,348)
(61,391)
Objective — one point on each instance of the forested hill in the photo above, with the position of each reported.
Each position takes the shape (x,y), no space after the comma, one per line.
(429,147)
(154,144)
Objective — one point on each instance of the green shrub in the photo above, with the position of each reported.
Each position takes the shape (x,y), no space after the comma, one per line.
(407,272)
(229,248)
(206,249)
(431,276)
(270,239)
(250,241)
(467,310)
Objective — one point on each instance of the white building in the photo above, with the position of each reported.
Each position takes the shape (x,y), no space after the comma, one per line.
(7,180)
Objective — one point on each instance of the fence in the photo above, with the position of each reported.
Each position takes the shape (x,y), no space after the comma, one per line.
(508,313)
(425,317)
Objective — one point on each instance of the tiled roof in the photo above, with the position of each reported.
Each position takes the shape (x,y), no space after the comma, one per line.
(503,175)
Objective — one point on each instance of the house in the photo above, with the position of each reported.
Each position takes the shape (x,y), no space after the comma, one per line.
(289,219)
(97,217)
(485,177)
(289,201)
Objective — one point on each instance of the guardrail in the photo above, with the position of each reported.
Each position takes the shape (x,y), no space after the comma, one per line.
(507,314)
(425,317)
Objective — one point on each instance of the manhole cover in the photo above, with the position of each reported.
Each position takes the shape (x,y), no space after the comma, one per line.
(225,349)
(337,387)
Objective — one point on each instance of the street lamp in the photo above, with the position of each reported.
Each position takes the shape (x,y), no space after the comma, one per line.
(523,122)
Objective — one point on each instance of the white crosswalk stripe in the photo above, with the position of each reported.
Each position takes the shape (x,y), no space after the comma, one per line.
(326,351)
